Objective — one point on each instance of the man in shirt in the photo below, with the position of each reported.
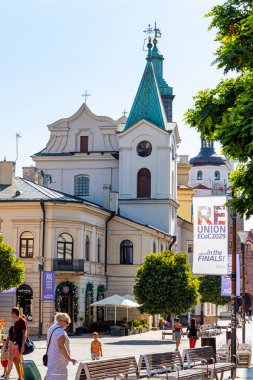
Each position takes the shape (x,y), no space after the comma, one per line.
(20,335)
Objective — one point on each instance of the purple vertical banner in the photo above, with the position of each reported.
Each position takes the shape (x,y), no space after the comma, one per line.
(48,286)
(226,283)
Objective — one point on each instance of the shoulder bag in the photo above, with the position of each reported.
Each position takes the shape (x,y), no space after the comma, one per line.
(45,357)
(29,346)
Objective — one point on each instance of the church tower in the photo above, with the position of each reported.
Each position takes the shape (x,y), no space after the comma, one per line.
(148,150)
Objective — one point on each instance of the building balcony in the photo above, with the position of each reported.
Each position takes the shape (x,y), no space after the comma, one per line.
(68,265)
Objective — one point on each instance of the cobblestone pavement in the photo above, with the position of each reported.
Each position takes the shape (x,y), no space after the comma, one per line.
(131,345)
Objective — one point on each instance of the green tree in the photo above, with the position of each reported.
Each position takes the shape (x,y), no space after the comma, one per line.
(225,113)
(12,270)
(210,291)
(165,284)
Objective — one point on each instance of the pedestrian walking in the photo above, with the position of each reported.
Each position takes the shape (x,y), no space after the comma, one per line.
(20,335)
(4,358)
(10,343)
(192,333)
(96,347)
(59,349)
(250,313)
(178,332)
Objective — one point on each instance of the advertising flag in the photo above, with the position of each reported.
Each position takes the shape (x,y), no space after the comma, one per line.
(226,283)
(48,288)
(210,254)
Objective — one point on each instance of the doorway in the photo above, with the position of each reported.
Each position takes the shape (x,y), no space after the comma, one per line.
(24,295)
(67,307)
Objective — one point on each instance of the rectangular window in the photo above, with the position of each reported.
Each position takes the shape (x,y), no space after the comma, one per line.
(84,144)
(230,244)
(82,186)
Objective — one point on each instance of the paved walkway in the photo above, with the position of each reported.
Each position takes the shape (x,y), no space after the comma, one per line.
(132,345)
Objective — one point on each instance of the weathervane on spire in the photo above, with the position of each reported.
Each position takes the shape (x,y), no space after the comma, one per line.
(156,32)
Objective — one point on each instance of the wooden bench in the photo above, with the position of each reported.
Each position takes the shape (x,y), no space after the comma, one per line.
(243,354)
(169,363)
(206,355)
(167,332)
(107,369)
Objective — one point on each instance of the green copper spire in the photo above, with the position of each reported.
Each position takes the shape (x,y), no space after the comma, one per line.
(148,104)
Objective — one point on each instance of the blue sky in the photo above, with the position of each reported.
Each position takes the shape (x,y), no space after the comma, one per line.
(52,51)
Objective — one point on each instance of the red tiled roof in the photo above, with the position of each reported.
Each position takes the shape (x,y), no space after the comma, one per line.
(202,187)
(184,187)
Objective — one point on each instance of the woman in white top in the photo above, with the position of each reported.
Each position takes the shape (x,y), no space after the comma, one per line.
(59,349)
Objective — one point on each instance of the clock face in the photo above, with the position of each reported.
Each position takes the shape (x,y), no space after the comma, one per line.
(144,149)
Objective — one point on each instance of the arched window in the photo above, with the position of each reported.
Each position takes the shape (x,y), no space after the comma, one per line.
(154,246)
(199,175)
(143,183)
(99,250)
(26,245)
(217,175)
(65,247)
(126,252)
(87,248)
(82,185)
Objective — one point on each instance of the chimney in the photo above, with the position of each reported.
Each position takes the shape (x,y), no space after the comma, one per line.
(106,195)
(32,174)
(7,172)
(183,159)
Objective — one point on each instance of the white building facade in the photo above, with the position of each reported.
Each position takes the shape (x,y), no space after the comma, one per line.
(110,198)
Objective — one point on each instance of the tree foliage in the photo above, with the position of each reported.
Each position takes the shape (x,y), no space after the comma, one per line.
(210,290)
(165,284)
(12,270)
(225,113)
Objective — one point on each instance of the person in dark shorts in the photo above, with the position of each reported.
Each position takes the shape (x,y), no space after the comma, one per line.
(20,335)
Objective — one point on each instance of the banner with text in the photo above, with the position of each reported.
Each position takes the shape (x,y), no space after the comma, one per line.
(210,254)
(226,283)
(48,288)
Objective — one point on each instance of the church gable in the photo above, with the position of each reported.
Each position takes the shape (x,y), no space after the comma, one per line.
(81,133)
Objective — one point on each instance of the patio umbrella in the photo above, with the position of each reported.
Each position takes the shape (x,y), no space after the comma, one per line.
(130,304)
(116,301)
(129,297)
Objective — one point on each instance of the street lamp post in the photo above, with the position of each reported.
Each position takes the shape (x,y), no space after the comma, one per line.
(233,286)
(243,235)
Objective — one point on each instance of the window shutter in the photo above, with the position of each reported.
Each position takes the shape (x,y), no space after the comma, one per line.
(84,142)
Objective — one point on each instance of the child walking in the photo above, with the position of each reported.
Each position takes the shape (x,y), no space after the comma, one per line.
(4,358)
(96,347)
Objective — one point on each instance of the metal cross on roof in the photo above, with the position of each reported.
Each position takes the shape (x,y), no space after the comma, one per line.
(85,95)
(150,30)
(124,112)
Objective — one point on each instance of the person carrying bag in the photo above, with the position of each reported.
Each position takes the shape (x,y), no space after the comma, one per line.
(45,357)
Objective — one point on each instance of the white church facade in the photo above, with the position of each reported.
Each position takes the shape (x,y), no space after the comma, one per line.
(109,194)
